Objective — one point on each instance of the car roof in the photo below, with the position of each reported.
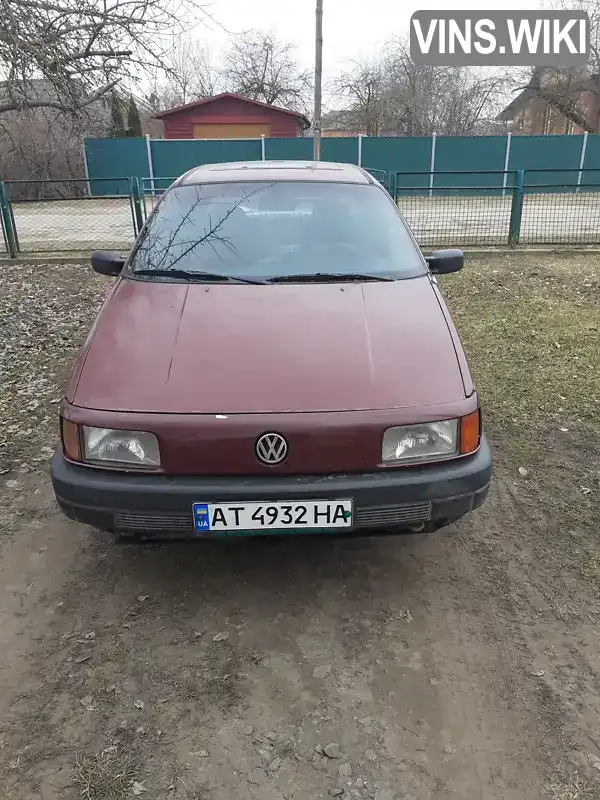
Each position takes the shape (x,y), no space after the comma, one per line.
(235,171)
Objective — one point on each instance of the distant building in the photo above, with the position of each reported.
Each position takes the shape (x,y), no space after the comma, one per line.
(529,113)
(342,123)
(331,132)
(230,116)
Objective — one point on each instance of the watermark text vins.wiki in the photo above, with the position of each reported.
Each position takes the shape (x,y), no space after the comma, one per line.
(500,38)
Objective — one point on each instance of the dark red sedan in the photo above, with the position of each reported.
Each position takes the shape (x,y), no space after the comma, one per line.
(274,356)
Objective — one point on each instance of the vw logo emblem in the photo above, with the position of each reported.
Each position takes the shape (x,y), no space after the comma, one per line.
(271,448)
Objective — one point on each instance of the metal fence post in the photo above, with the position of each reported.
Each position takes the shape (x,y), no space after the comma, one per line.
(8,226)
(3,228)
(86,171)
(130,196)
(138,217)
(393,182)
(582,159)
(360,138)
(14,224)
(506,162)
(432,165)
(150,162)
(263,148)
(516,208)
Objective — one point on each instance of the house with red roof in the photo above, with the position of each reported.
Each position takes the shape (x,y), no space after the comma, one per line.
(230,116)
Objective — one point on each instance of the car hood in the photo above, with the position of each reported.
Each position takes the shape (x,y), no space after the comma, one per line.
(238,348)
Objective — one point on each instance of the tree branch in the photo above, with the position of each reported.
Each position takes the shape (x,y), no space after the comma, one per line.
(31,104)
(566,108)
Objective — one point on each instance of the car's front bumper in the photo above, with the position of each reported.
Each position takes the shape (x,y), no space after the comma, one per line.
(160,505)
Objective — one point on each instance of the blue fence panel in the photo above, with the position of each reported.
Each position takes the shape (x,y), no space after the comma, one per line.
(591,161)
(399,155)
(592,152)
(556,153)
(463,154)
(343,149)
(174,157)
(300,149)
(405,161)
(108,157)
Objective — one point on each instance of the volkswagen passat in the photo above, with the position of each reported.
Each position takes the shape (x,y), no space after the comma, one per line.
(274,356)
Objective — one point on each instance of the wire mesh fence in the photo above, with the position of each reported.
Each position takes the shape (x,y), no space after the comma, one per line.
(466,219)
(501,208)
(151,191)
(379,175)
(62,216)
(460,219)
(7,243)
(561,215)
(487,209)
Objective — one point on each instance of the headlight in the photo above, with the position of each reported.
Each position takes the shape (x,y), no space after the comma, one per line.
(127,448)
(430,440)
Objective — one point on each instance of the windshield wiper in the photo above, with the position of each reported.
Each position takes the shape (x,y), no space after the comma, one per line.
(328,277)
(190,275)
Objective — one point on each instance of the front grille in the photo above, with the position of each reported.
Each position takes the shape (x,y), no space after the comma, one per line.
(392,515)
(175,521)
(158,521)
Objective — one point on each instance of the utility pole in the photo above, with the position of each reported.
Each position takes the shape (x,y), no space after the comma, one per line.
(318,80)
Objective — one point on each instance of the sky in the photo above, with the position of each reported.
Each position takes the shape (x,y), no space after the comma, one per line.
(351,28)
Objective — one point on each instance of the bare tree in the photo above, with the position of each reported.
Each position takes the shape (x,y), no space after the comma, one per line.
(573,93)
(61,61)
(189,74)
(393,96)
(364,87)
(259,66)
(42,144)
(80,49)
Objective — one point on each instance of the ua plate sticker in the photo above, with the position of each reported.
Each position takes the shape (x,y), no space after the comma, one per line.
(201,517)
(279,515)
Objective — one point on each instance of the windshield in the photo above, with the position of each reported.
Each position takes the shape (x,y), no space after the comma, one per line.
(268,231)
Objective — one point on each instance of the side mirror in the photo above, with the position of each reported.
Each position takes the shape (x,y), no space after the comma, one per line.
(106,262)
(443,261)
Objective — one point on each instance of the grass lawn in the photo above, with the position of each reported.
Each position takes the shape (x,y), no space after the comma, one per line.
(530,325)
(531,329)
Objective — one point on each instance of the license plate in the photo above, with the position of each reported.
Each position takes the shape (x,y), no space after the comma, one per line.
(309,515)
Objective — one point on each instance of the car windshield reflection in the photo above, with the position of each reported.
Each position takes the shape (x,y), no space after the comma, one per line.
(270,230)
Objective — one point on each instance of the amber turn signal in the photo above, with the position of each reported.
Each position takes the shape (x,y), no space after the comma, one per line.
(69,432)
(470,432)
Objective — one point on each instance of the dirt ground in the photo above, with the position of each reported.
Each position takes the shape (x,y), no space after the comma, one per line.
(462,665)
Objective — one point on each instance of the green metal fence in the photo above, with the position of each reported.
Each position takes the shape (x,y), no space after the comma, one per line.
(450,158)
(443,214)
(503,207)
(62,216)
(460,209)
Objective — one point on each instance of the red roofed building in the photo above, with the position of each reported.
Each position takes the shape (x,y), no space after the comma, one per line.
(230,116)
